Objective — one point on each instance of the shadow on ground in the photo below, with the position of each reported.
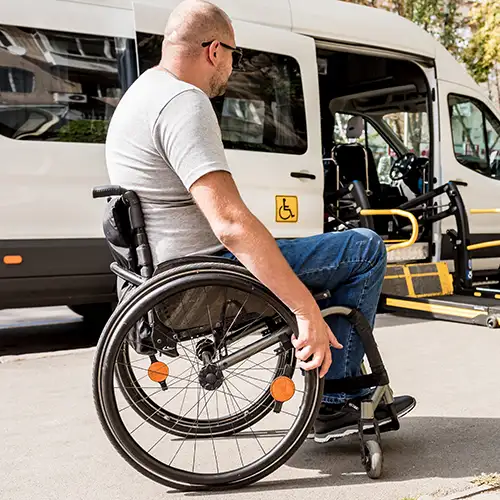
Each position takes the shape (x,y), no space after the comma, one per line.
(391,320)
(71,332)
(50,337)
(424,447)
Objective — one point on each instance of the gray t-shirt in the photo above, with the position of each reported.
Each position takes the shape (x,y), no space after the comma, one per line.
(163,136)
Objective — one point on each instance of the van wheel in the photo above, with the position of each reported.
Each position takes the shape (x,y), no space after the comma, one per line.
(93,313)
(493,321)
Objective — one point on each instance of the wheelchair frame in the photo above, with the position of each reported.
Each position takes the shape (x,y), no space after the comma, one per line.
(140,276)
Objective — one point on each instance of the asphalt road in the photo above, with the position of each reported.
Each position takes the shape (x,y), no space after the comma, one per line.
(52,446)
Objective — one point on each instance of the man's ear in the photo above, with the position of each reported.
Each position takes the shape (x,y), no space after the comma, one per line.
(212,51)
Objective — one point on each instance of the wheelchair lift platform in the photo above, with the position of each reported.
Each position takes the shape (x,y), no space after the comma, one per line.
(426,291)
(429,290)
(415,287)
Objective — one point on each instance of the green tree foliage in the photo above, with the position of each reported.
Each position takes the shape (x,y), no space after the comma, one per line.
(482,53)
(441,18)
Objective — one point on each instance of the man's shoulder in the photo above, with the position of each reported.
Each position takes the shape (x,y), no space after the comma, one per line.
(163,92)
(189,102)
(166,86)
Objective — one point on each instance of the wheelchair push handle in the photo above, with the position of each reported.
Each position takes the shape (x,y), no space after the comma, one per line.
(105,191)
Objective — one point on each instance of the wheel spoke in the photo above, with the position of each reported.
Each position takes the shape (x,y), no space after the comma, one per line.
(232,425)
(252,323)
(147,395)
(253,432)
(210,430)
(196,433)
(147,370)
(235,318)
(180,446)
(160,408)
(246,377)
(237,376)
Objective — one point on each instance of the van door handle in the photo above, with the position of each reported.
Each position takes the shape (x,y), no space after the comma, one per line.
(303,175)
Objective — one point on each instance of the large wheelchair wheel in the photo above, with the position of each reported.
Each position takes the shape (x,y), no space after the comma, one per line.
(224,406)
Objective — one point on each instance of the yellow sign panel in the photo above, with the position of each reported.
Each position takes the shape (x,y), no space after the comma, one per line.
(287,208)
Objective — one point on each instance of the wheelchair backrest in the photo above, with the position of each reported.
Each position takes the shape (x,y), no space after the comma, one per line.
(118,233)
(124,229)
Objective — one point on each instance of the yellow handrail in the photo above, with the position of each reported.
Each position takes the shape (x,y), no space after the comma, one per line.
(402,213)
(485,211)
(485,244)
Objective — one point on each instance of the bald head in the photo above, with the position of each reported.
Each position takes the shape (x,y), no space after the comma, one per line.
(193,22)
(207,66)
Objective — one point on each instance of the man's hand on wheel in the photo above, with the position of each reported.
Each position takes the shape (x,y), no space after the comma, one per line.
(313,345)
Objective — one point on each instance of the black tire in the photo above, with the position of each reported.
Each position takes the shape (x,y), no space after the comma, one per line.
(130,311)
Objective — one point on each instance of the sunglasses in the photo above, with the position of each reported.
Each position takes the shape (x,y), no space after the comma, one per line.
(237,53)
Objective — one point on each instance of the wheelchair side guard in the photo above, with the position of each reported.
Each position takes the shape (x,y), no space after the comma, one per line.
(379,376)
(371,450)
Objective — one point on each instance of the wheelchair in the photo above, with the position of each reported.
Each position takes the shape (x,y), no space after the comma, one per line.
(194,377)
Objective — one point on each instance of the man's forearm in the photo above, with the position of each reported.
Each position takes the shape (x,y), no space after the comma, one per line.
(257,250)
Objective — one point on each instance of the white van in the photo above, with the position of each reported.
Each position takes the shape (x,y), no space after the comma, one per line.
(308,69)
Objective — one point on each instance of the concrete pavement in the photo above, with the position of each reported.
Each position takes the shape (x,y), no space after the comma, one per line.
(53,446)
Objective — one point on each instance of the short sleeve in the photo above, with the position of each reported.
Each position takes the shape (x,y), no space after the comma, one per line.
(187,136)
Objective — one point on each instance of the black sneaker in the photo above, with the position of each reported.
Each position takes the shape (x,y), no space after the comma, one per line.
(337,421)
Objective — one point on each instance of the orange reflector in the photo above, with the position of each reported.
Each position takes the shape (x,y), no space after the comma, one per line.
(282,389)
(158,372)
(12,259)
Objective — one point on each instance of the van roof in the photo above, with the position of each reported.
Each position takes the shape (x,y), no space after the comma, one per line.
(357,24)
(328,20)
(331,20)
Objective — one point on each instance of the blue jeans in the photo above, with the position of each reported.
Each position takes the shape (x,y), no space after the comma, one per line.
(351,264)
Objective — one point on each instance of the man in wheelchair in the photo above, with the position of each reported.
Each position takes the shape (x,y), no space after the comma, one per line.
(164,143)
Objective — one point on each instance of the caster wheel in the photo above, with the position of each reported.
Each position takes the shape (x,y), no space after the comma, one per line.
(492,322)
(374,459)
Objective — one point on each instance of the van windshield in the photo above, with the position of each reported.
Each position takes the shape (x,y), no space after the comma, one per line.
(412,129)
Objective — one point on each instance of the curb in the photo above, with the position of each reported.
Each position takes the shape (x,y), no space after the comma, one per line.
(41,355)
(463,494)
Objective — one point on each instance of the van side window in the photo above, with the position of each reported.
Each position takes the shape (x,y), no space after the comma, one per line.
(476,135)
(57,86)
(263,107)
